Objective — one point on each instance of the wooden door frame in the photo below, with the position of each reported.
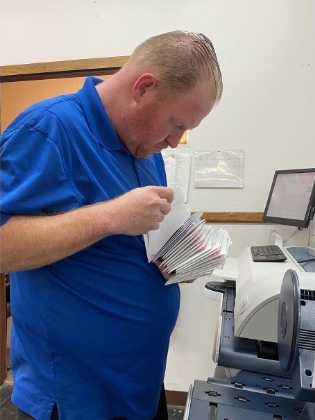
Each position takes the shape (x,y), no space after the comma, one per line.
(3,330)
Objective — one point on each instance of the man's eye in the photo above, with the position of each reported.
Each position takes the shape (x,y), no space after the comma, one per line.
(177,124)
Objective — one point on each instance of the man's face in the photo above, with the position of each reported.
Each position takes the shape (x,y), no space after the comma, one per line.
(156,125)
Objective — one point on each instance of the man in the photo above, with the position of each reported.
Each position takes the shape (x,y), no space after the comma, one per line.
(82,179)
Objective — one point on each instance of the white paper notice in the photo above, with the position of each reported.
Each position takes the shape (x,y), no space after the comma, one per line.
(219,169)
(177,167)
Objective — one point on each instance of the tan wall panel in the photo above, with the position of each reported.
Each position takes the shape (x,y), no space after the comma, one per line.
(16,96)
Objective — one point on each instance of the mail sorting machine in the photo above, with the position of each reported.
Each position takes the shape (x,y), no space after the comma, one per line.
(275,380)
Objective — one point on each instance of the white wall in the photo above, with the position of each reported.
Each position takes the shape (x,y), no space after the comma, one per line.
(266,52)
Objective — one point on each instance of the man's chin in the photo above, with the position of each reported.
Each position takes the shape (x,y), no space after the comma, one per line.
(148,153)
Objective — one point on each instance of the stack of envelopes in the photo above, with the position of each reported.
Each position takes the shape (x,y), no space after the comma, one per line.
(192,248)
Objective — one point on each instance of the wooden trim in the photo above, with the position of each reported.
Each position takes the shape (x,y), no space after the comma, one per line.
(61,69)
(3,331)
(233,217)
(176,398)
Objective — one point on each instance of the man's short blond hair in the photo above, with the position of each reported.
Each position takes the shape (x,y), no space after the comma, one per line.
(180,60)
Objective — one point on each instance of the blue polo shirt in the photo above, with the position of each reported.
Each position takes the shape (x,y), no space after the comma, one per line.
(90,332)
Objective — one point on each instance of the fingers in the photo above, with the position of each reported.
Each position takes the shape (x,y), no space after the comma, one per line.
(142,209)
(165,274)
(187,281)
(166,193)
(165,207)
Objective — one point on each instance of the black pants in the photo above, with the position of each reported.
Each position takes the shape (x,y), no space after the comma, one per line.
(160,415)
(20,415)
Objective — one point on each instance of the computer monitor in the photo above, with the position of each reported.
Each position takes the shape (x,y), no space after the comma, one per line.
(291,199)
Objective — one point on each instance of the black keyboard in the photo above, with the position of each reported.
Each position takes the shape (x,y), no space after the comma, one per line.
(267,253)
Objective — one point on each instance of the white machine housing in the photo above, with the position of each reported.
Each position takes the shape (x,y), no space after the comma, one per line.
(258,288)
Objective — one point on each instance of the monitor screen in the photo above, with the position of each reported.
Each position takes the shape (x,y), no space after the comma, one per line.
(291,199)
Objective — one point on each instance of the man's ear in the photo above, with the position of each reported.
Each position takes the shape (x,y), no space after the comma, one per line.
(142,85)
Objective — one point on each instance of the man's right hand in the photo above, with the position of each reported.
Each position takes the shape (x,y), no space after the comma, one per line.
(142,209)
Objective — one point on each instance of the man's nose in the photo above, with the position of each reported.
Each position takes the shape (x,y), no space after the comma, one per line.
(174,138)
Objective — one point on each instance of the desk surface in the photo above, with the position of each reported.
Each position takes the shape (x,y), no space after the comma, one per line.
(304,256)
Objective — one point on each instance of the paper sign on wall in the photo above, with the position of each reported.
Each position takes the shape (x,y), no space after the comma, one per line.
(219,169)
(177,167)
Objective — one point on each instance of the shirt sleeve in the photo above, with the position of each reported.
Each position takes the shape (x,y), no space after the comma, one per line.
(33,175)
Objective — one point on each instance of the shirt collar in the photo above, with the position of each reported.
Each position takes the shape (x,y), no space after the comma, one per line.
(97,117)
